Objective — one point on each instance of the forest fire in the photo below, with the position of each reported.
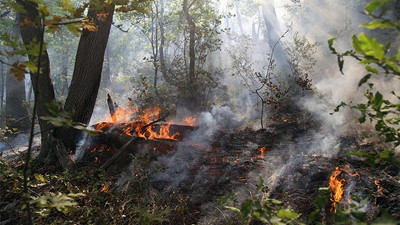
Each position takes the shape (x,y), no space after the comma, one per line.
(337,184)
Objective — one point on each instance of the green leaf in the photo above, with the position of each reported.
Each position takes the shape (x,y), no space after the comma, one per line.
(337,109)
(330,43)
(364,80)
(378,101)
(233,209)
(368,46)
(260,184)
(287,214)
(313,215)
(246,207)
(371,69)
(374,5)
(387,155)
(74,28)
(362,117)
(379,24)
(226,199)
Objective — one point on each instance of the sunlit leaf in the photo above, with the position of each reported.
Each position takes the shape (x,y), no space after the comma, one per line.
(368,46)
(374,5)
(287,214)
(379,24)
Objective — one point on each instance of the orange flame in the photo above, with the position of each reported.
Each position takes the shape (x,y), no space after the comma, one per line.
(135,120)
(337,184)
(189,121)
(380,188)
(105,189)
(262,151)
(337,187)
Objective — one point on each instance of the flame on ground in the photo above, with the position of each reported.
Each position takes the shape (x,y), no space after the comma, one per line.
(262,151)
(380,188)
(337,184)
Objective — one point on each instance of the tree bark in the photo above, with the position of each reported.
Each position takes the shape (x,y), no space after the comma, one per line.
(44,84)
(189,98)
(163,68)
(87,73)
(192,42)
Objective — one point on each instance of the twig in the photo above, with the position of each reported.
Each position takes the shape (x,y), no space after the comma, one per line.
(222,213)
(8,64)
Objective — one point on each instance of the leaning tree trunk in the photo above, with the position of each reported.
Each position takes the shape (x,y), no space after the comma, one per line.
(16,111)
(43,86)
(87,73)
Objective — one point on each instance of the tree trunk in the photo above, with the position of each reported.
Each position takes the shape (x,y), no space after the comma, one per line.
(87,73)
(190,96)
(2,88)
(192,36)
(106,78)
(44,84)
(274,34)
(162,41)
(16,111)
(239,19)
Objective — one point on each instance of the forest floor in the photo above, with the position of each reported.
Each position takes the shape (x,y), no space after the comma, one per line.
(184,185)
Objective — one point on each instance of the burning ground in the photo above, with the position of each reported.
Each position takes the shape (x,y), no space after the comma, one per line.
(175,173)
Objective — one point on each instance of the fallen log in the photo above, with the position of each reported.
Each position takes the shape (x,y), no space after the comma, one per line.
(120,158)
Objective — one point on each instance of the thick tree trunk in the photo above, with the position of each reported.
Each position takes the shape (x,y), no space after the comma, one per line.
(87,73)
(16,111)
(44,84)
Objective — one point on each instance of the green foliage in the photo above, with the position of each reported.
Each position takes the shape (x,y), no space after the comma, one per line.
(353,214)
(60,118)
(377,59)
(61,202)
(267,210)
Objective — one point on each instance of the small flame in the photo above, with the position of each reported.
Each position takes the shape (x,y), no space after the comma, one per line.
(380,188)
(105,189)
(262,151)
